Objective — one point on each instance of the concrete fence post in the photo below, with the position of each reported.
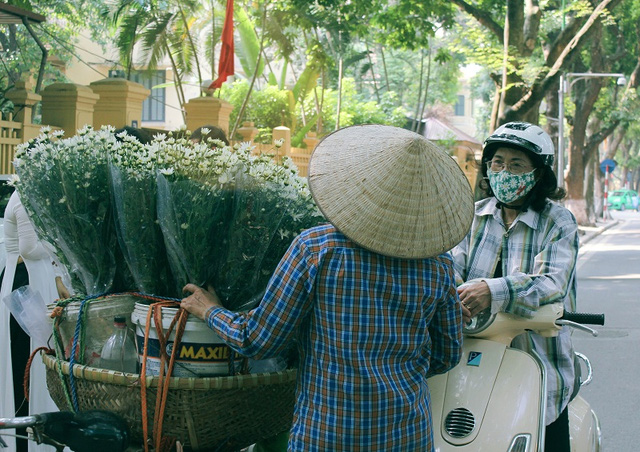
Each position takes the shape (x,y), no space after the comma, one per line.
(283,133)
(120,102)
(202,111)
(68,106)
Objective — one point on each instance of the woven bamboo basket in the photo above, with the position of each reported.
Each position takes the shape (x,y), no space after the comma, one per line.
(219,413)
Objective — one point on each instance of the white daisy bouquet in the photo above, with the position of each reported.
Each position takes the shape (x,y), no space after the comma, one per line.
(133,167)
(228,217)
(153,217)
(64,185)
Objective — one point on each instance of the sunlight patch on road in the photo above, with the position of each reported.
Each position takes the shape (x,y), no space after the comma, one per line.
(610,247)
(626,231)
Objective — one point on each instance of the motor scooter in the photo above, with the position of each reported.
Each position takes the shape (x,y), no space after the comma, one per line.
(494,399)
(86,431)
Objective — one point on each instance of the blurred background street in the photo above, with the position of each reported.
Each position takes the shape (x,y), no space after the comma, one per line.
(608,282)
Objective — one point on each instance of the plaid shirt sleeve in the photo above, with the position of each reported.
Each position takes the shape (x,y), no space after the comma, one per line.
(264,331)
(459,254)
(446,329)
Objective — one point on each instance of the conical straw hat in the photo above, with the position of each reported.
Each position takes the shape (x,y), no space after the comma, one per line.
(391,191)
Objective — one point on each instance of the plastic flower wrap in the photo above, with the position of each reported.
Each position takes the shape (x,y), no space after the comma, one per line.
(228,217)
(64,185)
(133,169)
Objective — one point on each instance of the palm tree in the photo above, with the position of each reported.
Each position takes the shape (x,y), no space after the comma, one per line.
(160,30)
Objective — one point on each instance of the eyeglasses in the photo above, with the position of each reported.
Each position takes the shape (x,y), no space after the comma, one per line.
(514,168)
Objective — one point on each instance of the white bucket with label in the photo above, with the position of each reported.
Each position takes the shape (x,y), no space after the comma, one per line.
(98,314)
(202,353)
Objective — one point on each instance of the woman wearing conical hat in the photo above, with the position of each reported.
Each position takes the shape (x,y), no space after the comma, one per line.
(369,297)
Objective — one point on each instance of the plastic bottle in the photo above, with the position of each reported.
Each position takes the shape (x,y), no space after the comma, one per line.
(119,352)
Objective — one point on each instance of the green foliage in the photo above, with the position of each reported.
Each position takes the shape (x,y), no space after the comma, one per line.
(267,108)
(20,55)
(408,24)
(248,47)
(448,145)
(403,67)
(355,110)
(483,88)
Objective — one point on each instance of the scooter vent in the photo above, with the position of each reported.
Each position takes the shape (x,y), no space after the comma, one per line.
(459,422)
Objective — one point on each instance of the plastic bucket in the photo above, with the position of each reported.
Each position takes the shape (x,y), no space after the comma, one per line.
(202,353)
(99,323)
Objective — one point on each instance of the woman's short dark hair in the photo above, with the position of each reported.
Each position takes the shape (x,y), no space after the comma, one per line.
(215,133)
(141,135)
(546,188)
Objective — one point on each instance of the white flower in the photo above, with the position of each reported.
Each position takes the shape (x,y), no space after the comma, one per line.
(224,178)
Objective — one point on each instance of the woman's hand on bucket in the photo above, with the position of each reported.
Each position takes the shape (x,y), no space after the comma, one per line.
(200,300)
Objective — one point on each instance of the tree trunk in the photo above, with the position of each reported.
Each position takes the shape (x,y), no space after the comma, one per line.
(373,73)
(598,190)
(253,79)
(588,192)
(586,93)
(340,62)
(384,66)
(552,115)
(416,121)
(427,83)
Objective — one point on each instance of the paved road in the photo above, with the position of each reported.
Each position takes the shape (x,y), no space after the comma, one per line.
(609,282)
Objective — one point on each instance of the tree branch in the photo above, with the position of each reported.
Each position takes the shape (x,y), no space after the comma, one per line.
(546,79)
(485,18)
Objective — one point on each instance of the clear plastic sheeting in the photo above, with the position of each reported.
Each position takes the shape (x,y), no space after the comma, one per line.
(138,231)
(194,220)
(230,236)
(64,186)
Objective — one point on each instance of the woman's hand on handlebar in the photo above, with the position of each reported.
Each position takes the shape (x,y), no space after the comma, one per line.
(200,300)
(475,297)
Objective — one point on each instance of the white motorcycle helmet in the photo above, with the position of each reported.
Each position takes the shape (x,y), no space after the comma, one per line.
(520,135)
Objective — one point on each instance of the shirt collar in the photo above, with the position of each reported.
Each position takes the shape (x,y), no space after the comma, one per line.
(530,217)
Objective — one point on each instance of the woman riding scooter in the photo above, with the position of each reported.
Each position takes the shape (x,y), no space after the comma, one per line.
(521,254)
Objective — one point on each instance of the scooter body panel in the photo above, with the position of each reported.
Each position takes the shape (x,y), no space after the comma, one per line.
(489,398)
(584,427)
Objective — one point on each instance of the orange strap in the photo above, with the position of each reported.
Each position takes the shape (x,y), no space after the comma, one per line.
(27,370)
(180,319)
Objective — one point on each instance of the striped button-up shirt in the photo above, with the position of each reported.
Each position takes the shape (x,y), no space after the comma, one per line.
(369,329)
(538,255)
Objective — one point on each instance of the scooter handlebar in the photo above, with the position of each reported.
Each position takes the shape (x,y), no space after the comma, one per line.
(584,318)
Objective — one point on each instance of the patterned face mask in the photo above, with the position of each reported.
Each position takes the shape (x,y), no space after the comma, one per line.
(509,187)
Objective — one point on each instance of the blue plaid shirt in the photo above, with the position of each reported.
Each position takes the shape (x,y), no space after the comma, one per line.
(369,329)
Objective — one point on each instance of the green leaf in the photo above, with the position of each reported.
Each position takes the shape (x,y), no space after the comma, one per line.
(248,48)
(283,73)
(307,81)
(296,140)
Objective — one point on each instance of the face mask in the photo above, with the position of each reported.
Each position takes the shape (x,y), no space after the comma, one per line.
(509,187)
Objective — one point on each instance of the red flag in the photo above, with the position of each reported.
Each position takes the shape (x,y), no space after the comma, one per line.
(225,65)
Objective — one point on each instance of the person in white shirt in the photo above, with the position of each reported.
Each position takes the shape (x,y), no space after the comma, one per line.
(46,276)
